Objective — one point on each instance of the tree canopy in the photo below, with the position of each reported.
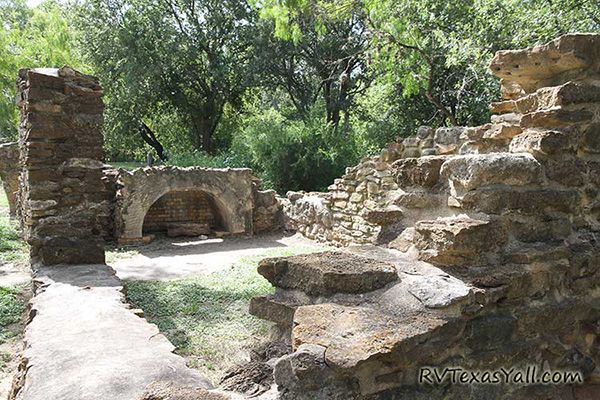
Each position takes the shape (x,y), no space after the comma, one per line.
(296,89)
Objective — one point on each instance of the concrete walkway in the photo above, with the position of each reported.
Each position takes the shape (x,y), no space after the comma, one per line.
(85,343)
(166,258)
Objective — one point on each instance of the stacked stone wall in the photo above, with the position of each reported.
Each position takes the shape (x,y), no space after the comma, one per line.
(496,245)
(61,191)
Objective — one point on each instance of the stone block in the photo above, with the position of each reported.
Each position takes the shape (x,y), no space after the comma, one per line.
(468,172)
(422,172)
(328,273)
(458,241)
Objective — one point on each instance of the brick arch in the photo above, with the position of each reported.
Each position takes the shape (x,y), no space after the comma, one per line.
(230,189)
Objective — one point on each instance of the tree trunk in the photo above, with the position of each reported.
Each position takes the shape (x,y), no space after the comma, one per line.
(203,129)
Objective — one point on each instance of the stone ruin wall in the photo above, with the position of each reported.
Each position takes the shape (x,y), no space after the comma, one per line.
(9,173)
(495,238)
(386,193)
(61,198)
(242,207)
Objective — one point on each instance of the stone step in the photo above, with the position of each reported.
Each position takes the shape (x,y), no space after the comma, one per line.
(275,310)
(328,273)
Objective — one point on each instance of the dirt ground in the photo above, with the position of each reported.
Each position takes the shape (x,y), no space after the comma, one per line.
(167,258)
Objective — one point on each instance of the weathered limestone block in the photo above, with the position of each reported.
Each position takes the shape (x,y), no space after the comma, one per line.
(468,172)
(503,199)
(383,216)
(448,140)
(422,171)
(501,131)
(556,118)
(458,241)
(327,273)
(540,143)
(274,310)
(591,138)
(552,63)
(166,390)
(267,213)
(187,229)
(368,334)
(546,98)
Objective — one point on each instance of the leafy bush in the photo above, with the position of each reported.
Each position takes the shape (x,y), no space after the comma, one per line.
(293,155)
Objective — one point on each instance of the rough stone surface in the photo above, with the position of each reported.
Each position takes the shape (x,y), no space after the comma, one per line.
(187,229)
(327,273)
(61,140)
(173,391)
(84,343)
(493,239)
(474,171)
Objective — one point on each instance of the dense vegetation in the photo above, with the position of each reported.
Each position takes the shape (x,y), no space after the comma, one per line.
(296,89)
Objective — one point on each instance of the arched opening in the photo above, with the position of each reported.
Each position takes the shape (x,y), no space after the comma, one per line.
(184,213)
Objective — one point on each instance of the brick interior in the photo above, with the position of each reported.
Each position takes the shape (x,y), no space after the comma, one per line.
(182,206)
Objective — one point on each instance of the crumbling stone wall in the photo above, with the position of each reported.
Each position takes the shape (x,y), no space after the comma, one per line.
(496,250)
(9,173)
(61,154)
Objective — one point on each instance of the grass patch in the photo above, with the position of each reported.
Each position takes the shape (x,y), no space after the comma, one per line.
(207,317)
(127,165)
(12,248)
(12,306)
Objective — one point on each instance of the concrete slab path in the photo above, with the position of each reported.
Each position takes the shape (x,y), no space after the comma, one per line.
(84,343)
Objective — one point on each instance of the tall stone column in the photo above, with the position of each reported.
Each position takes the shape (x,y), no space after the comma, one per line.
(61,155)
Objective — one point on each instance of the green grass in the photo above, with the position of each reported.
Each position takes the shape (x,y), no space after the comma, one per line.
(206,317)
(12,305)
(12,248)
(128,165)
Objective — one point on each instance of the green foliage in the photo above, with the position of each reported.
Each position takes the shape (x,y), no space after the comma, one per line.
(293,155)
(12,248)
(201,159)
(185,59)
(12,307)
(32,38)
